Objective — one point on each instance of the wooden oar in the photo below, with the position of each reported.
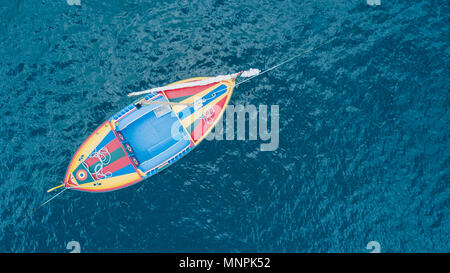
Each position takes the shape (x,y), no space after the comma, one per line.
(54,188)
(168,103)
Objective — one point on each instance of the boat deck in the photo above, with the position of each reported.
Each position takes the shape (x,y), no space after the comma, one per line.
(154,133)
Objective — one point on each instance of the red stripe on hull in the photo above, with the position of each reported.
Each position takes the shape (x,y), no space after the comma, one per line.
(115,166)
(188,91)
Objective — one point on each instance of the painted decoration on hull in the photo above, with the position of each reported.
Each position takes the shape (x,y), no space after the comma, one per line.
(208,103)
(101,163)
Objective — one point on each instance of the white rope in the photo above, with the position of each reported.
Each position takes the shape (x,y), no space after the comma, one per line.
(46,202)
(59,193)
(286,61)
(250,74)
(104,157)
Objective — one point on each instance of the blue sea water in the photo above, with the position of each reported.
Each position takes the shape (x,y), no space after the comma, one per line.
(364,125)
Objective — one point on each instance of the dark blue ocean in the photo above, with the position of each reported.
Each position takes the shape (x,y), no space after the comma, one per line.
(364,125)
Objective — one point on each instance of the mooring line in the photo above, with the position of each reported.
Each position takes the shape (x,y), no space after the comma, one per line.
(287,60)
(56,195)
(265,71)
(46,202)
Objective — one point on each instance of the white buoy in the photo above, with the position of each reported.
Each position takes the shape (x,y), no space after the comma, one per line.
(250,73)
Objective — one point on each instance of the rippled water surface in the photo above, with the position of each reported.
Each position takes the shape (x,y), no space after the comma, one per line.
(364,125)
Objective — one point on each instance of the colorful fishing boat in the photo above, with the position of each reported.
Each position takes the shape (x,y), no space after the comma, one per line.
(149,135)
(154,132)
